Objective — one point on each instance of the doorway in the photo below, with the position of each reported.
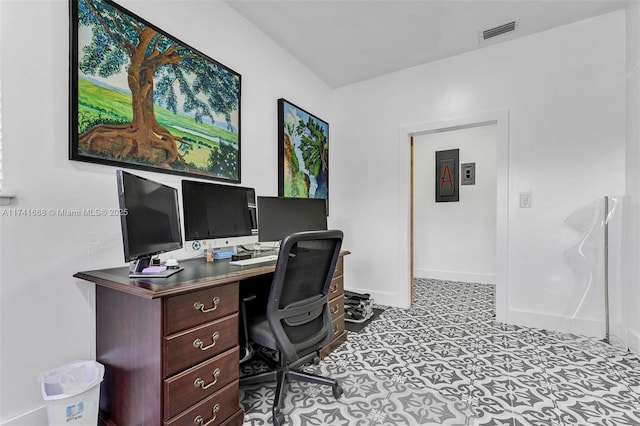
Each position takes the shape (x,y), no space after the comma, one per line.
(455,241)
(407,135)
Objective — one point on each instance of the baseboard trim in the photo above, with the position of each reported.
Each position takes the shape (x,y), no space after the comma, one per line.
(634,341)
(468,277)
(37,416)
(580,326)
(384,298)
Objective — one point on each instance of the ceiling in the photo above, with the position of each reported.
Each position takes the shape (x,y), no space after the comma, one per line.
(347,41)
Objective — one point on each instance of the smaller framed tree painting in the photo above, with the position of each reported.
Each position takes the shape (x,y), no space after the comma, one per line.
(303,153)
(447,176)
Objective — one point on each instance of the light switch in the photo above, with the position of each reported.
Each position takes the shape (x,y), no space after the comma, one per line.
(525,200)
(468,174)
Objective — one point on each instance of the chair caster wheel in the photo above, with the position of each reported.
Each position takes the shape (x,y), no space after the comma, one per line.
(337,391)
(278,419)
(316,360)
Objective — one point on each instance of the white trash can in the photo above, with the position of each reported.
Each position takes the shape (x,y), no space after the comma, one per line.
(72,393)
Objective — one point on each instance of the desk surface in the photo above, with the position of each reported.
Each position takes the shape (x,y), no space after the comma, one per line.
(197,274)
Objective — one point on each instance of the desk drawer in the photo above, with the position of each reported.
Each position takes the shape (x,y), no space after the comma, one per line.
(337,326)
(212,411)
(191,309)
(185,389)
(336,307)
(336,288)
(190,347)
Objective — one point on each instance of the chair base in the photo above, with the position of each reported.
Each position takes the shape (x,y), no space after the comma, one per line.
(290,375)
(284,374)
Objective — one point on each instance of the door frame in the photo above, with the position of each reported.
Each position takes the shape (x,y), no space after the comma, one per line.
(501,119)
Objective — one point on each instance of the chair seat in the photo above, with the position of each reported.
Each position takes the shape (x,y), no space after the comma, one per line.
(260,332)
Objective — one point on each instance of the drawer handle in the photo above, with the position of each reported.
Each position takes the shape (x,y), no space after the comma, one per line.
(199,306)
(334,288)
(336,327)
(335,309)
(200,344)
(199,383)
(199,421)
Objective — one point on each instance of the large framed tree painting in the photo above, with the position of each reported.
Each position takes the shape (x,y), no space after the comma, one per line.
(141,98)
(303,153)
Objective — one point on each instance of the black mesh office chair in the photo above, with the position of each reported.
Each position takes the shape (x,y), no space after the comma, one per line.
(297,321)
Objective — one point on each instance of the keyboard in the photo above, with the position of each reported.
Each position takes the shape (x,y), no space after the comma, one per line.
(254,260)
(154,269)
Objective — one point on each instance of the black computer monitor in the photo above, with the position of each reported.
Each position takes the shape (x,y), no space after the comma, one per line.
(150,219)
(217,216)
(281,216)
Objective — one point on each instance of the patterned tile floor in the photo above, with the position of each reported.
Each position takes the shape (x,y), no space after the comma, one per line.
(446,361)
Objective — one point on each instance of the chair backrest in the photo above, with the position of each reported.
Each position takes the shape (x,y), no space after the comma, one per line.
(297,310)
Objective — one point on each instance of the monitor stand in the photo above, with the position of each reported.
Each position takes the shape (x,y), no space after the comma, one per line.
(142,268)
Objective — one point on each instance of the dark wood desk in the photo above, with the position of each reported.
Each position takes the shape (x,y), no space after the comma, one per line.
(170,345)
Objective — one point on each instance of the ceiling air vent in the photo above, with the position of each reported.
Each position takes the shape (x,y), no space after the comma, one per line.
(492,32)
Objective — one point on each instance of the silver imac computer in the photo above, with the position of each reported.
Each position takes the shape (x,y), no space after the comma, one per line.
(218,216)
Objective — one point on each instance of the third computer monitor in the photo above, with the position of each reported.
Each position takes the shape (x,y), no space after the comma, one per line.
(281,216)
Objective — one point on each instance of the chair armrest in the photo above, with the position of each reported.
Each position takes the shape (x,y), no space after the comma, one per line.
(248,298)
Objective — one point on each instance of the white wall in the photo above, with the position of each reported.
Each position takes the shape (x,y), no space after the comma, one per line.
(631,270)
(47,317)
(564,90)
(456,240)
